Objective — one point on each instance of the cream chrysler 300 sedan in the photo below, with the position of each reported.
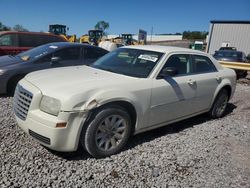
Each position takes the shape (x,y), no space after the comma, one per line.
(128,91)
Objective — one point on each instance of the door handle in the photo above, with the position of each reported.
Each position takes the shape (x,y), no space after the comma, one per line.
(191,82)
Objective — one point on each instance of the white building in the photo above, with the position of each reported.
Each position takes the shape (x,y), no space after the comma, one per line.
(229,33)
(155,38)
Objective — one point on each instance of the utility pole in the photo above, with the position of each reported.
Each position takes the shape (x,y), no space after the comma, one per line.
(152,29)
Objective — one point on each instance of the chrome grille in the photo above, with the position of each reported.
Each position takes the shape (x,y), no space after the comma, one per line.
(22,100)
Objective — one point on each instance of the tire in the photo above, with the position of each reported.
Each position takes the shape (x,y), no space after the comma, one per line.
(107,133)
(220,104)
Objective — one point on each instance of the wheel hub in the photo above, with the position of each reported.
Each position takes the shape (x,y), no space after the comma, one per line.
(110,132)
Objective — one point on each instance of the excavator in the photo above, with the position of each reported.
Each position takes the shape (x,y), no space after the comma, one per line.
(59,29)
(94,37)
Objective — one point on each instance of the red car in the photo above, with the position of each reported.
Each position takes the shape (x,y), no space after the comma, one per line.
(13,42)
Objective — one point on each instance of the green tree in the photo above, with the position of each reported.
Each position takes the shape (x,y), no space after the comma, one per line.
(192,35)
(19,27)
(102,25)
(4,27)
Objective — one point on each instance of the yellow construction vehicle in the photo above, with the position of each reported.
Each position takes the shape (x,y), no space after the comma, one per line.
(59,29)
(94,37)
(127,39)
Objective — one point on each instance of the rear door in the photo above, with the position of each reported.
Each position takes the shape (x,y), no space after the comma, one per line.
(207,79)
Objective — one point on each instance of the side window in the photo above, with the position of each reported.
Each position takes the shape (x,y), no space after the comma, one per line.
(181,62)
(93,53)
(26,40)
(68,54)
(56,39)
(8,40)
(202,64)
(50,39)
(40,40)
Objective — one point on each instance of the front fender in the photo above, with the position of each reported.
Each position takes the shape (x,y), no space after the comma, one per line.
(140,101)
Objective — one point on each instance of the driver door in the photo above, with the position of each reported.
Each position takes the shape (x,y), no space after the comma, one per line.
(173,97)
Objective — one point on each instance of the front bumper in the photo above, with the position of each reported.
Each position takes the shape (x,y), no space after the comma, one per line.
(42,126)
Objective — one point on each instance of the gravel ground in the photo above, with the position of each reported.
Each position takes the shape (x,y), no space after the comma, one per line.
(198,152)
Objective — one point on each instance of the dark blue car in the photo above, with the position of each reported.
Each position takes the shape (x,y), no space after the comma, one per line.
(61,54)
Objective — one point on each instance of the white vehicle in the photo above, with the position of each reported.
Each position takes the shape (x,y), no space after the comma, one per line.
(128,91)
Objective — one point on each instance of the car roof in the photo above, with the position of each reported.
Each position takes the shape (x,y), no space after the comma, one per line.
(163,49)
(68,44)
(28,32)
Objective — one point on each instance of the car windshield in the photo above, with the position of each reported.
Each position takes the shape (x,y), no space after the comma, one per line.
(37,52)
(228,54)
(130,62)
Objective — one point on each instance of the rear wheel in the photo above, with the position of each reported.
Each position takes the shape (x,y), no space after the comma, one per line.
(220,104)
(108,132)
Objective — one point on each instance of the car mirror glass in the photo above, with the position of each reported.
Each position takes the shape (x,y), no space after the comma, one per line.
(55,59)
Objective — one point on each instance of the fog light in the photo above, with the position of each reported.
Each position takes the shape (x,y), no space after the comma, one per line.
(61,125)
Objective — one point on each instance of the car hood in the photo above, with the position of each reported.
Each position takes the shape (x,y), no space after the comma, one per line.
(71,81)
(9,60)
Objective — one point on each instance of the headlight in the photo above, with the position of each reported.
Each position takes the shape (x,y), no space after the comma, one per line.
(2,72)
(50,105)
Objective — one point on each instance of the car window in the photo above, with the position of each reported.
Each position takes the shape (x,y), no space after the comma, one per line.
(202,64)
(26,40)
(181,62)
(93,53)
(69,53)
(49,39)
(8,40)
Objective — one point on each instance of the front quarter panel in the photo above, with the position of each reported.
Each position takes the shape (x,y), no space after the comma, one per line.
(137,94)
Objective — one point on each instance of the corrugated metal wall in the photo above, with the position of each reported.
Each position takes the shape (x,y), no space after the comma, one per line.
(236,34)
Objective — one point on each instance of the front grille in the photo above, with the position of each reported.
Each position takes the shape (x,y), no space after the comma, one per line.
(22,100)
(39,137)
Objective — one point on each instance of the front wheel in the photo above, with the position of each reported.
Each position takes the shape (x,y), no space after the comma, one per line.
(108,132)
(220,104)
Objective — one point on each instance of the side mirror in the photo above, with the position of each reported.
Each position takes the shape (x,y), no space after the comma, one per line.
(55,59)
(168,71)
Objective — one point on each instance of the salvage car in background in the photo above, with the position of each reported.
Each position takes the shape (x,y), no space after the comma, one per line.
(14,68)
(13,42)
(232,56)
(128,91)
